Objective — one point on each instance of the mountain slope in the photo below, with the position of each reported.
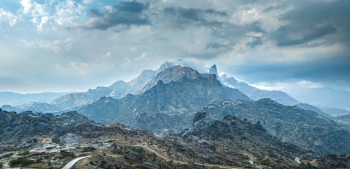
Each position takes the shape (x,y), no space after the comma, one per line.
(237,135)
(314,109)
(164,106)
(324,97)
(257,94)
(291,124)
(117,90)
(14,127)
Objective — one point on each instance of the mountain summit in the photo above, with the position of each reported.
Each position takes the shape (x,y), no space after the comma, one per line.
(172,98)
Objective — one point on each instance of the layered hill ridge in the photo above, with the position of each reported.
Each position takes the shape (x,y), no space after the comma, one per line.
(14,127)
(165,105)
(15,99)
(257,94)
(290,124)
(117,90)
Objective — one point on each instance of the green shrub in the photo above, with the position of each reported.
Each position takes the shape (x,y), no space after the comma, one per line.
(24,153)
(20,162)
(56,140)
(6,156)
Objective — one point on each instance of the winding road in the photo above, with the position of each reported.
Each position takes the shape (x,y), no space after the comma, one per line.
(71,163)
(182,162)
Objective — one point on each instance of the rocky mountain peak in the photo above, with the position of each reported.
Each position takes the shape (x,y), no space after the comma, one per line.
(164,66)
(267,101)
(174,73)
(118,84)
(160,83)
(213,70)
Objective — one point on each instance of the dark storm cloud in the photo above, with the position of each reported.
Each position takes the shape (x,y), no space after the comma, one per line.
(257,41)
(133,7)
(254,27)
(268,9)
(281,35)
(124,13)
(213,45)
(95,13)
(315,19)
(188,16)
(212,11)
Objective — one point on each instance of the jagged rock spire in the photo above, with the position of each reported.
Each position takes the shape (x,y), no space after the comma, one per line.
(213,70)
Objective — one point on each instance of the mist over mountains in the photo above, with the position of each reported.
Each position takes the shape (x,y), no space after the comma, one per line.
(148,78)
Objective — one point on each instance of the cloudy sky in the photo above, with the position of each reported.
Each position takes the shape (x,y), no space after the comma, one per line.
(73,45)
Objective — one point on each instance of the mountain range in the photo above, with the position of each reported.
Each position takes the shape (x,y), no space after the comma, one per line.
(16,99)
(170,106)
(30,131)
(324,97)
(178,94)
(204,117)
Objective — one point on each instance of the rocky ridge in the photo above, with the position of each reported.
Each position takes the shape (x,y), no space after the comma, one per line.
(257,94)
(291,124)
(234,134)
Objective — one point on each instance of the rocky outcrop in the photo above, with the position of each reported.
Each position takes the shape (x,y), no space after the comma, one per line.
(213,70)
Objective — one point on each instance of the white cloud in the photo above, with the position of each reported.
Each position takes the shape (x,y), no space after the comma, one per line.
(87,1)
(143,56)
(34,20)
(67,12)
(40,10)
(288,86)
(109,8)
(27,5)
(55,45)
(8,17)
(44,19)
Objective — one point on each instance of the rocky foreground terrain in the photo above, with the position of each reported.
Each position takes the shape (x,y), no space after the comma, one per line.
(209,143)
(291,124)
